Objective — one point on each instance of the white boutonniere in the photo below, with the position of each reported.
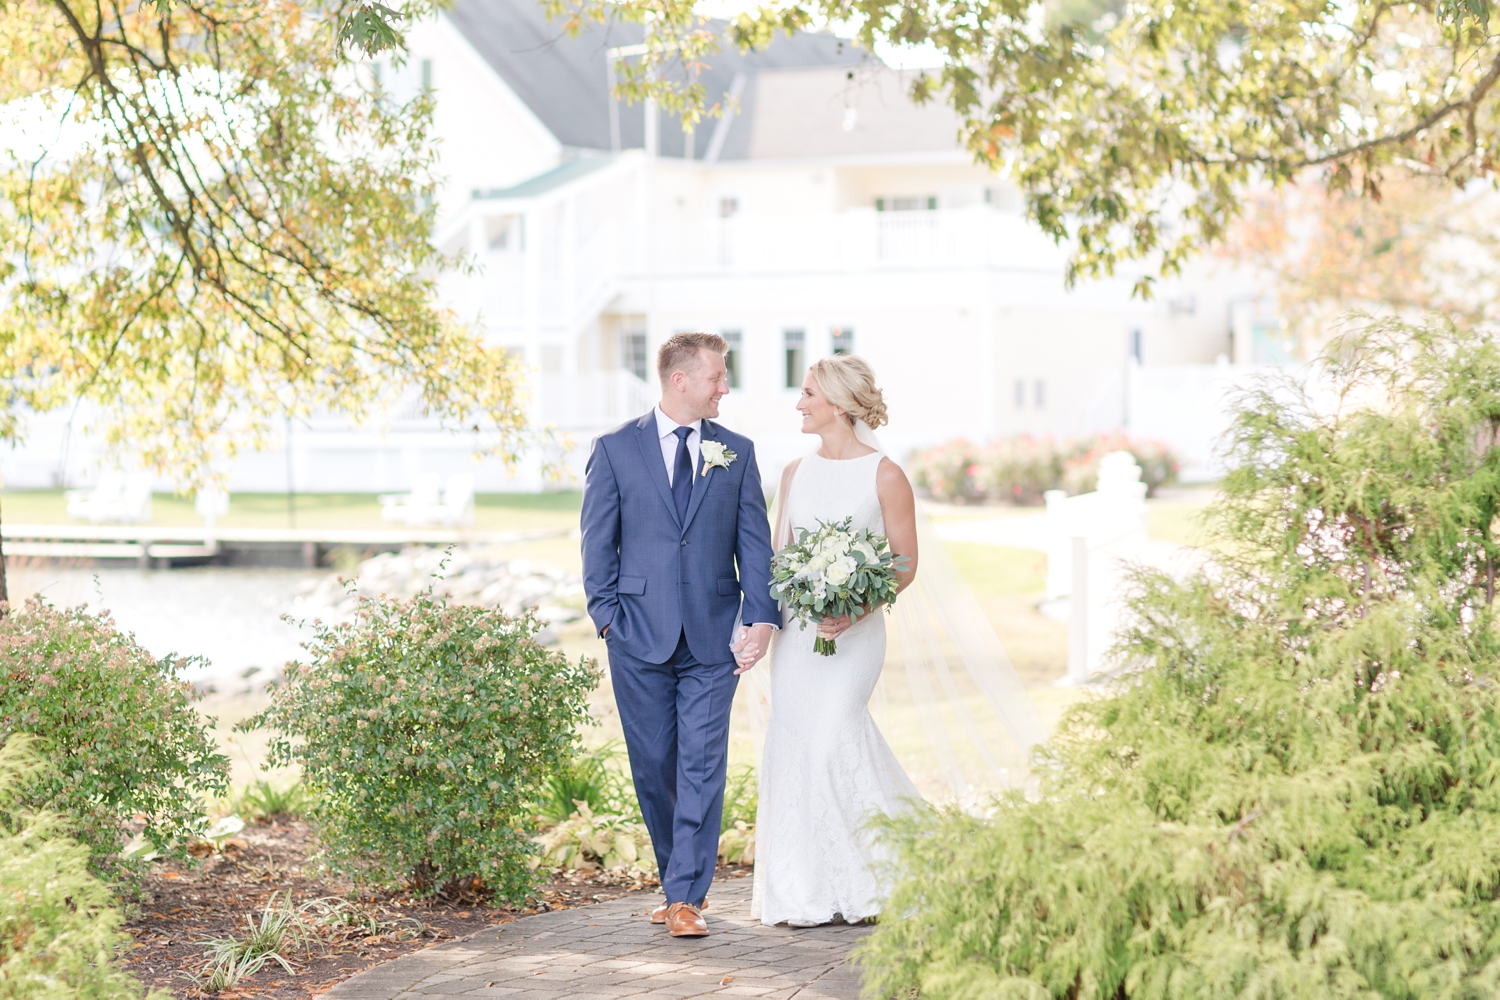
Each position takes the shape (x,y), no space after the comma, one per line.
(715,455)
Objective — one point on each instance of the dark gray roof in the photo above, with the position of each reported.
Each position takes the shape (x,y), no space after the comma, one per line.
(563,78)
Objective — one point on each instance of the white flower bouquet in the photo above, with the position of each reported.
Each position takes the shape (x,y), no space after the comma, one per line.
(834,571)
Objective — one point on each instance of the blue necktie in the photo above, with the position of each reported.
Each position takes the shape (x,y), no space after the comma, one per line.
(682,474)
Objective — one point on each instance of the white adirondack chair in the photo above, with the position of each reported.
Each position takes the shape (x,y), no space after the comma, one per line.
(425,504)
(116,498)
(458,500)
(415,507)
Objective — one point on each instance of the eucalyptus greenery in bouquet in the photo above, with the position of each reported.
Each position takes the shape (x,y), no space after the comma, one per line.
(834,571)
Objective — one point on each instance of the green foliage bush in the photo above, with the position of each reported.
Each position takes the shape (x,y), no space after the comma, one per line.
(117,724)
(425,733)
(59,925)
(265,801)
(599,778)
(741,797)
(1296,791)
(1020,469)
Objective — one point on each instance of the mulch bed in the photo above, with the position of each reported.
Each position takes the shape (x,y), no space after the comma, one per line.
(184,906)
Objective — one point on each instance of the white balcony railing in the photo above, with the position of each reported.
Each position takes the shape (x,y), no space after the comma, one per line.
(557,283)
(858,239)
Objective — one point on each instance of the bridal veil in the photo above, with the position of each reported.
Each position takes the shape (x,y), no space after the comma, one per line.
(949,700)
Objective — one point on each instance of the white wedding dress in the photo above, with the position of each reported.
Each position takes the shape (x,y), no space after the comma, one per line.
(826,768)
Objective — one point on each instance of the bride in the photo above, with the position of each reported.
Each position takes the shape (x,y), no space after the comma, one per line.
(826,768)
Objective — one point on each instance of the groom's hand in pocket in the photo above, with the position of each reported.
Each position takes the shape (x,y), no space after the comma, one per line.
(751,645)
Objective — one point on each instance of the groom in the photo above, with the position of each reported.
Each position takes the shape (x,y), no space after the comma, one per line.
(674,532)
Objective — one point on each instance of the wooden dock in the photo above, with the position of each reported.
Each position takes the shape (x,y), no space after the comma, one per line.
(151,546)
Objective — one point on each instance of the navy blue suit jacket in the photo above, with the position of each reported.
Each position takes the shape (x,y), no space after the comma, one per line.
(649,577)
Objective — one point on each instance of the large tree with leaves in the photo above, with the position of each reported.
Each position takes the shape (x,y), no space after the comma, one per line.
(210,223)
(1137,133)
(1422,249)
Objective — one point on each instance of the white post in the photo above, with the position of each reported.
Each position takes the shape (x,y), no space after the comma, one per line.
(1104,529)
(1078,613)
(614,102)
(1059,545)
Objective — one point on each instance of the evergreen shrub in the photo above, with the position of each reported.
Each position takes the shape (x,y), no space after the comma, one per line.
(117,723)
(1294,792)
(426,733)
(59,924)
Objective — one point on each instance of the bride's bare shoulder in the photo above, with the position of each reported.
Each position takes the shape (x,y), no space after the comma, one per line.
(891,474)
(891,483)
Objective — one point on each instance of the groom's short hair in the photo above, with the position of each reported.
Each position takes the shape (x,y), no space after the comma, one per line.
(681,351)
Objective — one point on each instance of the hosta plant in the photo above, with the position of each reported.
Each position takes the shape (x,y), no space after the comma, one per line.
(425,732)
(737,844)
(1294,791)
(589,842)
(117,723)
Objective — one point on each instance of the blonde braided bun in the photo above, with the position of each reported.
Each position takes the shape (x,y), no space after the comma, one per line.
(849,383)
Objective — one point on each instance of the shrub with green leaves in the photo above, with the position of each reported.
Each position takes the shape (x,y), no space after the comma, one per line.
(425,732)
(600,778)
(117,723)
(59,924)
(741,797)
(1295,791)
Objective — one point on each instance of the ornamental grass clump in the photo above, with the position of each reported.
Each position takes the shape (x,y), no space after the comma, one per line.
(1294,792)
(129,751)
(60,933)
(425,733)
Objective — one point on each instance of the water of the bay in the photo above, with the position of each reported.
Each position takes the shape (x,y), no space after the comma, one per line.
(230,617)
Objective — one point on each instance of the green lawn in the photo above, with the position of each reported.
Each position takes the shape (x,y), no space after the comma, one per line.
(1177,521)
(492,511)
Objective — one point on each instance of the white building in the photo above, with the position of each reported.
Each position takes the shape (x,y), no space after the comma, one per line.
(823,212)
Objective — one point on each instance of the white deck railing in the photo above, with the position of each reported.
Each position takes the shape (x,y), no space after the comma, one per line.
(858,239)
(562,283)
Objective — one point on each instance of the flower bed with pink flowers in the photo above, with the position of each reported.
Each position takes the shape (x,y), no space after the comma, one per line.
(1018,470)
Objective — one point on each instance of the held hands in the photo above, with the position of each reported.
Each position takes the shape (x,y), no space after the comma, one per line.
(750,646)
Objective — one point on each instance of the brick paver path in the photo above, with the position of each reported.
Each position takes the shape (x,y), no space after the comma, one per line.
(613,950)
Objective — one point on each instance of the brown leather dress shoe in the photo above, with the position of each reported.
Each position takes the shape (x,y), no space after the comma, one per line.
(659,915)
(685,920)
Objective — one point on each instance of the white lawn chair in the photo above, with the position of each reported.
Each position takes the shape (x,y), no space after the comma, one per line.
(116,498)
(416,507)
(458,500)
(211,504)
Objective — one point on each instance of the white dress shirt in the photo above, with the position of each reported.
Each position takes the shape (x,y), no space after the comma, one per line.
(666,430)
